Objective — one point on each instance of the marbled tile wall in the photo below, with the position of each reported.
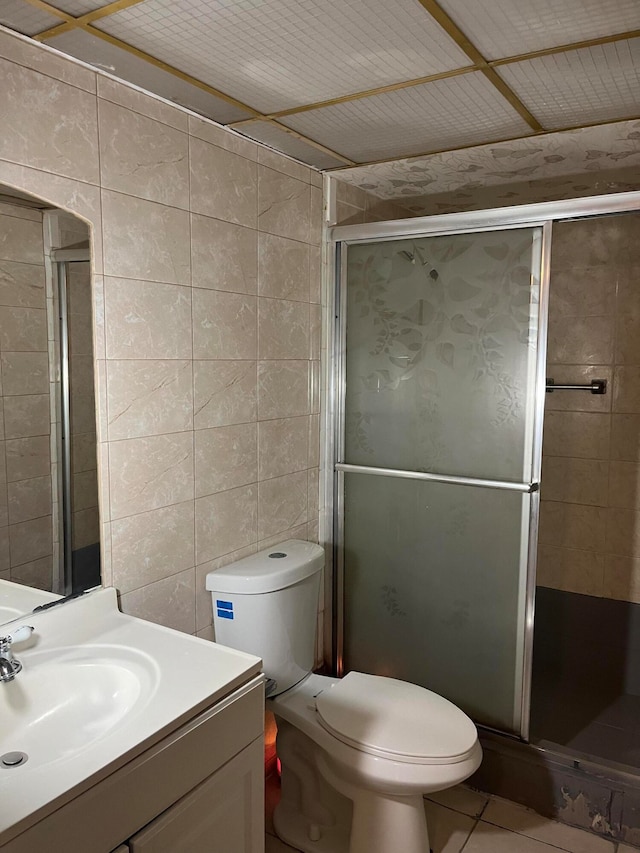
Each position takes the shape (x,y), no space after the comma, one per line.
(355,206)
(590,511)
(206,266)
(26,540)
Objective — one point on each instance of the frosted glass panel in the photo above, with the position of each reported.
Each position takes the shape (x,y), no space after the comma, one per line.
(440,353)
(434,589)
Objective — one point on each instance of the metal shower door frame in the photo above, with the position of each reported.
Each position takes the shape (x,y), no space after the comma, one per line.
(340,237)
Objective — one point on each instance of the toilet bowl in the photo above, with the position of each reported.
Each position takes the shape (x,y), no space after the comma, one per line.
(357,753)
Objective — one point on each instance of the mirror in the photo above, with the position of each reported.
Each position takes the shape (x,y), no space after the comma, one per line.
(49,523)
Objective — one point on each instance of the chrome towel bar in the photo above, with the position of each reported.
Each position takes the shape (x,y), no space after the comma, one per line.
(596,386)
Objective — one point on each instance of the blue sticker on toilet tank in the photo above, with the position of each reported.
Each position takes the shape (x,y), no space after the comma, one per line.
(224,609)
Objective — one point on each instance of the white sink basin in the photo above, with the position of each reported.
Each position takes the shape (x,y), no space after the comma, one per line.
(65,700)
(16,600)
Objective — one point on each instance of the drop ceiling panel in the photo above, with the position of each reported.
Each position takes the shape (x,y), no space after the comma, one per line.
(277,54)
(123,64)
(24,18)
(581,86)
(502,28)
(445,114)
(263,131)
(79,7)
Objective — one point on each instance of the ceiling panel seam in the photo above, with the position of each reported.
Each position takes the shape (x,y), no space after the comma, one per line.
(79,22)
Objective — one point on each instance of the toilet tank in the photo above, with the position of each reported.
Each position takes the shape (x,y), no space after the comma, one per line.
(267,605)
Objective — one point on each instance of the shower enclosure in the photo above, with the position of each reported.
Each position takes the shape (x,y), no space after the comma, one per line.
(437,404)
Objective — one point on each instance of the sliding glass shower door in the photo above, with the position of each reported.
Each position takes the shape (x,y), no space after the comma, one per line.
(437,471)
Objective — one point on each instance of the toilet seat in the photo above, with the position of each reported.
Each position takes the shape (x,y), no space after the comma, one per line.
(395,720)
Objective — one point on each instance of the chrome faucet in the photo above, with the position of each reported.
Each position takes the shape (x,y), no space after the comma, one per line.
(10,666)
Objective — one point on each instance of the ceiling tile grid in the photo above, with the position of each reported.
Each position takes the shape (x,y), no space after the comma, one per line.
(439,115)
(500,28)
(594,84)
(276,54)
(80,7)
(21,16)
(114,60)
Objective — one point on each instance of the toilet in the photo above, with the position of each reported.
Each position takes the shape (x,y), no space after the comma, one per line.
(358,753)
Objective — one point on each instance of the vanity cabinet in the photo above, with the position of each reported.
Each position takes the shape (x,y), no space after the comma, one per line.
(198,789)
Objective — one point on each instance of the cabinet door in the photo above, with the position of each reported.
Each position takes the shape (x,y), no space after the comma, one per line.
(224,814)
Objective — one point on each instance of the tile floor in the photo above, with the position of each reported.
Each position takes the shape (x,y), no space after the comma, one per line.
(464,821)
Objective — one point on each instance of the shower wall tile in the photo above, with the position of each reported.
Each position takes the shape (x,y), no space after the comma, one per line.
(224,185)
(568,374)
(29,499)
(622,578)
(628,339)
(224,256)
(577,434)
(152,545)
(163,254)
(579,481)
(26,415)
(283,205)
(626,393)
(21,242)
(625,434)
(570,525)
(225,392)
(623,532)
(191,226)
(35,134)
(571,570)
(149,397)
(224,325)
(591,292)
(581,340)
(624,485)
(146,319)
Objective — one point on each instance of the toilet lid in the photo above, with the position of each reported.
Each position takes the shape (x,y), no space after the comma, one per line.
(396,720)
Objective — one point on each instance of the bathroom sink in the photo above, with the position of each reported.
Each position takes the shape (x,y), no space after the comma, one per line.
(16,600)
(65,700)
(97,689)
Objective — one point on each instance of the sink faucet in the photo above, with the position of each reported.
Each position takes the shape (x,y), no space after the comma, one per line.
(10,666)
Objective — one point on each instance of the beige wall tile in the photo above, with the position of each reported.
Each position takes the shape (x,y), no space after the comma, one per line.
(86,527)
(591,292)
(628,339)
(226,522)
(624,485)
(283,446)
(147,320)
(226,457)
(29,541)
(626,389)
(23,329)
(300,531)
(224,256)
(315,274)
(21,284)
(163,254)
(225,392)
(27,457)
(141,102)
(282,504)
(5,553)
(151,472)
(316,214)
(27,53)
(625,437)
(623,532)
(21,242)
(152,545)
(283,329)
(281,163)
(283,389)
(85,490)
(26,415)
(314,441)
(84,452)
(628,295)
(572,525)
(579,481)
(37,574)
(577,434)
(48,124)
(283,268)
(622,578)
(224,325)
(588,243)
(581,340)
(143,157)
(29,499)
(169,601)
(571,570)
(313,493)
(223,184)
(283,205)
(149,397)
(315,332)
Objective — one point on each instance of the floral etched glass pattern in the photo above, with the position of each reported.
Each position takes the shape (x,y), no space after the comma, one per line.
(434,589)
(441,338)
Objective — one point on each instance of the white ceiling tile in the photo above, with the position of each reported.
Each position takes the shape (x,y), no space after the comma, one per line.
(276,54)
(444,114)
(500,28)
(79,7)
(581,86)
(126,66)
(269,134)
(24,18)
